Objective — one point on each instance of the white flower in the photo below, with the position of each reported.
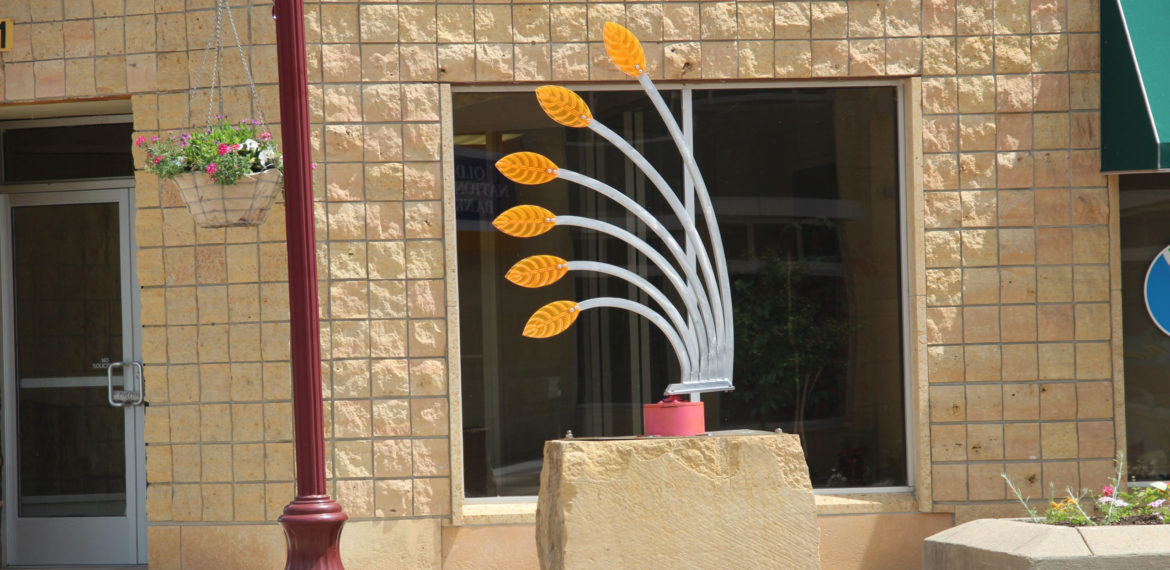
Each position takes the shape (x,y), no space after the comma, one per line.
(1159,485)
(1105,500)
(266,156)
(251,145)
(1120,503)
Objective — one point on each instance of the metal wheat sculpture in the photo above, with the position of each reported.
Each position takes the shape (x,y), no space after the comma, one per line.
(701,330)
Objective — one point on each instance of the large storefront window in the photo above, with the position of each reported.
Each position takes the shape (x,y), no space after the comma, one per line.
(805,185)
(1145,211)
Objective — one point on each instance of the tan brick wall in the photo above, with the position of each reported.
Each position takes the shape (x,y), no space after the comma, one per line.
(1021,276)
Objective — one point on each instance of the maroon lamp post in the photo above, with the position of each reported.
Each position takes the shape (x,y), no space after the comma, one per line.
(312,522)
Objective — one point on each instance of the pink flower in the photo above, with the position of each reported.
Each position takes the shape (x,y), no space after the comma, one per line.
(235,147)
(212,169)
(1107,490)
(154,138)
(266,136)
(223,149)
(139,141)
(157,159)
(1158,503)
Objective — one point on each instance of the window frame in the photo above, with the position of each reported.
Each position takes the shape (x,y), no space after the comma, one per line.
(914,496)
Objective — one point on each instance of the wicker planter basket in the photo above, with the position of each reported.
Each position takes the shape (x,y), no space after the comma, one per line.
(244,203)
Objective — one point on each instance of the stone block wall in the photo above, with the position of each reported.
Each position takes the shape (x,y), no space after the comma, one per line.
(1015,240)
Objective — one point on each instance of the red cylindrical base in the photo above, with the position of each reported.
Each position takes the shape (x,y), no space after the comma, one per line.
(673,418)
(312,526)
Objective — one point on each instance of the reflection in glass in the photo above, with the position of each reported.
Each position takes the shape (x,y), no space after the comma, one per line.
(1145,231)
(67,296)
(805,186)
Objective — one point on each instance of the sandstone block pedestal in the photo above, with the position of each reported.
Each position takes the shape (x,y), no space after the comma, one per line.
(738,499)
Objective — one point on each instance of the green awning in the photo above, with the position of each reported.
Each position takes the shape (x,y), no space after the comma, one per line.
(1135,85)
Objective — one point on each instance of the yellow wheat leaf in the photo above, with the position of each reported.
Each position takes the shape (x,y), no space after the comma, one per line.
(537,271)
(624,50)
(564,106)
(527,168)
(551,319)
(525,221)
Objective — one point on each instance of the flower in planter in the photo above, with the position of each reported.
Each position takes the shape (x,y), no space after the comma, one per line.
(1138,505)
(224,151)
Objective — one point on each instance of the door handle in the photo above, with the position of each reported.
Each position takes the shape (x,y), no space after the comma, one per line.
(120,398)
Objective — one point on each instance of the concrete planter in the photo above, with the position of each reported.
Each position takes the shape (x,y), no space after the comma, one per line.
(1012,544)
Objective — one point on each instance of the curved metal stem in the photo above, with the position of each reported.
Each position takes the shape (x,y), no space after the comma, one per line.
(705,203)
(653,224)
(654,317)
(696,344)
(656,258)
(679,210)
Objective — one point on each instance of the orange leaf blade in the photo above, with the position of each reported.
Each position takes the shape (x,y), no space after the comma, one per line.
(564,106)
(525,221)
(624,50)
(537,271)
(551,319)
(527,168)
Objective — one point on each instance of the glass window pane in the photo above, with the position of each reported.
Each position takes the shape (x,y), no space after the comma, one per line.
(67,297)
(67,153)
(1145,232)
(804,182)
(813,174)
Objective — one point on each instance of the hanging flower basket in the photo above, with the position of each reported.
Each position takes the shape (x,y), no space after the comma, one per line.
(214,205)
(228,174)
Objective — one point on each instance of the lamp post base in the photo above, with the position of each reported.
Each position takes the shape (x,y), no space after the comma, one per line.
(312,527)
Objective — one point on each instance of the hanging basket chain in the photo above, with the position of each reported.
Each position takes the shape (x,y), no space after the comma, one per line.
(216,80)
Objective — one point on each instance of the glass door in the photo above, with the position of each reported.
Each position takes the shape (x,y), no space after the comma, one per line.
(71,393)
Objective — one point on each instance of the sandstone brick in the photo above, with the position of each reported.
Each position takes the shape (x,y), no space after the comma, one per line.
(945,363)
(942,249)
(979,208)
(1057,361)
(977,94)
(981,286)
(1013,93)
(1013,54)
(1015,207)
(984,402)
(1017,284)
(793,20)
(830,19)
(1054,284)
(947,403)
(1093,361)
(903,18)
(982,363)
(949,482)
(973,17)
(976,132)
(1021,441)
(1020,402)
(830,58)
(1050,53)
(569,23)
(717,59)
(866,19)
(977,170)
(948,442)
(938,56)
(1019,323)
(980,324)
(942,210)
(938,17)
(717,20)
(940,95)
(793,59)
